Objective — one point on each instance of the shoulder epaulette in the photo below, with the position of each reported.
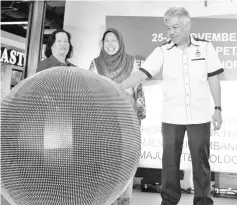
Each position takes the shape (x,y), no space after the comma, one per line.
(165,43)
(200,39)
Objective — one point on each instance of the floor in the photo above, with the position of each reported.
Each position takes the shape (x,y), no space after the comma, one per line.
(147,198)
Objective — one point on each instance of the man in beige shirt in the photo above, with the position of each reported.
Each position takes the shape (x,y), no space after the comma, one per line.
(190,69)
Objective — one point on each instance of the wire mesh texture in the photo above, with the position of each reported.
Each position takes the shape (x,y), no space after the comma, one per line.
(68,137)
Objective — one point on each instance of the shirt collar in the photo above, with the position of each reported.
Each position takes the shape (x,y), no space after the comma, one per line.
(192,42)
(170,45)
(55,62)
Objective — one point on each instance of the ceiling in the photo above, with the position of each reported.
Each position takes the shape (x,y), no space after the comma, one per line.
(17,11)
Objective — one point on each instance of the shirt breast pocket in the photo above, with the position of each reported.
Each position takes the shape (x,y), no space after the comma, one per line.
(198,67)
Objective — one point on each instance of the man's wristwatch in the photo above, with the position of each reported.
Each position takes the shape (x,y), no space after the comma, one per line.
(218,108)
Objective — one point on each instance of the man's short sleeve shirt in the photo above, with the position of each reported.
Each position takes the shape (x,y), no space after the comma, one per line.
(186,92)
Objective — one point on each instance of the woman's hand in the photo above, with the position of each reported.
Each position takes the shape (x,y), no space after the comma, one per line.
(120,85)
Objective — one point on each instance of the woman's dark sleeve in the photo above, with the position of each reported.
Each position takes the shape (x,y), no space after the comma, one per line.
(43,65)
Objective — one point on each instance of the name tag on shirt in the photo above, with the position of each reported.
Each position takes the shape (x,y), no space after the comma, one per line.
(198,59)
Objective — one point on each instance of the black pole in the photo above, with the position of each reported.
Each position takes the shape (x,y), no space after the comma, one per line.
(34,36)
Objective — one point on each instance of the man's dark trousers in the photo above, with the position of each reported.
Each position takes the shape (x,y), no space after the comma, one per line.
(199,145)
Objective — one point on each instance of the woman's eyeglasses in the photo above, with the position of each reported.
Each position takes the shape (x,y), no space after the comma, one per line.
(113,41)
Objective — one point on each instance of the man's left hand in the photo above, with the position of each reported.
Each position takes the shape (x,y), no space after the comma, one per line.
(217,119)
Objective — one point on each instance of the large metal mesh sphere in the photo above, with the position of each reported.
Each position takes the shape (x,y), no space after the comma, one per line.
(68,137)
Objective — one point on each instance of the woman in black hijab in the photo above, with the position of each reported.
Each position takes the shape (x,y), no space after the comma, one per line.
(114,63)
